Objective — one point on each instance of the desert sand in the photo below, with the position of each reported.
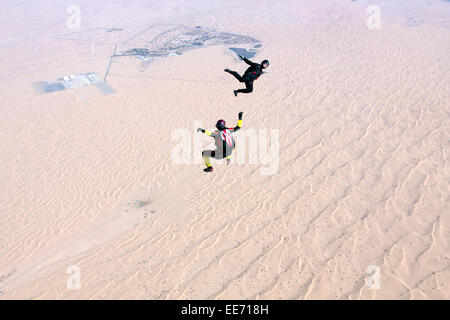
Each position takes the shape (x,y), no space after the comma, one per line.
(353,205)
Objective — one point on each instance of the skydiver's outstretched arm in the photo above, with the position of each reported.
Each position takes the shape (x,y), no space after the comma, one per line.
(209,133)
(239,124)
(247,61)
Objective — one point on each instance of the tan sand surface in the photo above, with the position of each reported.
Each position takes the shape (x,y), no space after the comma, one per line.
(358,189)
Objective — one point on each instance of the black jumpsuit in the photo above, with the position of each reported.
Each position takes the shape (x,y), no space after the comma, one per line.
(250,75)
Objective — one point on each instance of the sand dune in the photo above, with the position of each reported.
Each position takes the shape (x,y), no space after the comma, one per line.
(359,183)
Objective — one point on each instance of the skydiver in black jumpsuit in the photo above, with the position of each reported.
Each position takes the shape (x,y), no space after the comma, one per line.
(251,74)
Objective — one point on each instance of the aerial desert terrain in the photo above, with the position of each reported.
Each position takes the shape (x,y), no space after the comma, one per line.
(339,184)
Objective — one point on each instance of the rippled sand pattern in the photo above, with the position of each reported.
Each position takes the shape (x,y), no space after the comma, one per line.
(363,178)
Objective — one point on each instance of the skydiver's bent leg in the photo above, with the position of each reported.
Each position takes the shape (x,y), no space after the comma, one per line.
(216,154)
(236,75)
(206,157)
(248,89)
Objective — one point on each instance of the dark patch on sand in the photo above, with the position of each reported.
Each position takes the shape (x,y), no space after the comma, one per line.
(244,52)
(113,29)
(72,82)
(168,40)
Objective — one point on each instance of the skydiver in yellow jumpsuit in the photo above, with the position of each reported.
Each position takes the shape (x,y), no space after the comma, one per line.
(224,142)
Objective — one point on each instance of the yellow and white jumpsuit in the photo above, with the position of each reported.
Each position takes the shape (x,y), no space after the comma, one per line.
(225,144)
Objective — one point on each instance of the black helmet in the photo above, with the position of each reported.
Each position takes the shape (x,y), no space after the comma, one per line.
(265,62)
(220,124)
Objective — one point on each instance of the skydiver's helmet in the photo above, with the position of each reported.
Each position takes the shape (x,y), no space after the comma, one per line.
(220,124)
(265,64)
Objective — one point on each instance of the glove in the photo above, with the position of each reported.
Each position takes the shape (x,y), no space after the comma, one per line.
(240,115)
(200,130)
